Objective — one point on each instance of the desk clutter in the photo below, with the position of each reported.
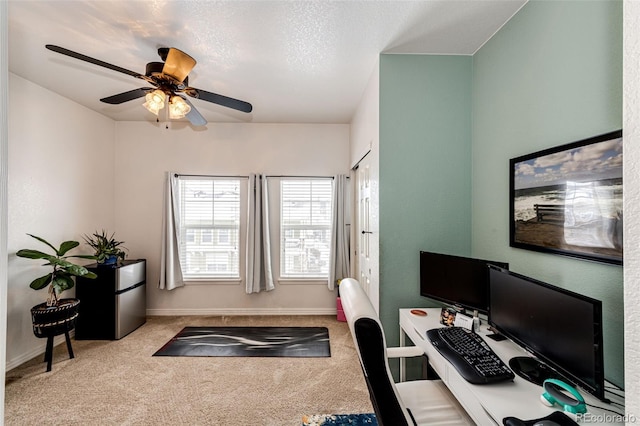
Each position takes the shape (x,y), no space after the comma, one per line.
(518,400)
(561,327)
(449,317)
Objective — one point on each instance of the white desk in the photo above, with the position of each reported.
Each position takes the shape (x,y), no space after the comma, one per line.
(489,404)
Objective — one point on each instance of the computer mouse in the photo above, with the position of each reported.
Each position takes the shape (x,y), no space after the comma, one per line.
(546,423)
(513,421)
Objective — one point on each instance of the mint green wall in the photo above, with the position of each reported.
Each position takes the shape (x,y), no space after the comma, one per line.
(425,171)
(449,125)
(551,76)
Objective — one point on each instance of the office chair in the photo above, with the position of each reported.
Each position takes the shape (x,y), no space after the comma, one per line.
(420,402)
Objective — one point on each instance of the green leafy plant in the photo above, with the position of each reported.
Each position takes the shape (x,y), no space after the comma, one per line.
(105,246)
(61,277)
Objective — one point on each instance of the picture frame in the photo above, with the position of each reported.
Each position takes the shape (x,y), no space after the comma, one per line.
(567,200)
(448,316)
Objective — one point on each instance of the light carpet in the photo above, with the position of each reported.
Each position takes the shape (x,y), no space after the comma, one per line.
(120,382)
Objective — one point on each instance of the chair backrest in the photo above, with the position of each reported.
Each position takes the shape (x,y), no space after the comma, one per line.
(371,346)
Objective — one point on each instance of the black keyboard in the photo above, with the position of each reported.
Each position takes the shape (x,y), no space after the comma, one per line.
(470,355)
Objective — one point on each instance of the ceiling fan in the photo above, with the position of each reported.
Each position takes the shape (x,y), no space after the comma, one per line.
(170,80)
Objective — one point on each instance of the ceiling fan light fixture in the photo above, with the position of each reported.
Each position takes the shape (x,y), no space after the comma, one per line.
(154,101)
(168,77)
(178,108)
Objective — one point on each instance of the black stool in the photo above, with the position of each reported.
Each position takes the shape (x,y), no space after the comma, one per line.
(51,321)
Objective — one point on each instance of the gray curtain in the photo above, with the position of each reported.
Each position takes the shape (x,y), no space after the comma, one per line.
(259,273)
(170,270)
(339,265)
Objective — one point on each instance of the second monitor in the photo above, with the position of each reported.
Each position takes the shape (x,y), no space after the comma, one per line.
(456,280)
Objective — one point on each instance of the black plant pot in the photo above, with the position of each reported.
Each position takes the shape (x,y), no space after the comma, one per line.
(51,321)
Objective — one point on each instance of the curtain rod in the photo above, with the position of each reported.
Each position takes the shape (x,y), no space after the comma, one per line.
(212,176)
(246,177)
(301,177)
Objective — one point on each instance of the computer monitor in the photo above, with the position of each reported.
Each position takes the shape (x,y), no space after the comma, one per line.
(562,329)
(456,280)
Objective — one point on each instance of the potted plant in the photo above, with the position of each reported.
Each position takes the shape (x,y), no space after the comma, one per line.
(56,316)
(107,250)
(61,277)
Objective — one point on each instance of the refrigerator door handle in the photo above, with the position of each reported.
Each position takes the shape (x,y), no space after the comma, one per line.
(131,288)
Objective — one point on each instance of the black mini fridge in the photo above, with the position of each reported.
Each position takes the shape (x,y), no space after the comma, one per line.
(115,303)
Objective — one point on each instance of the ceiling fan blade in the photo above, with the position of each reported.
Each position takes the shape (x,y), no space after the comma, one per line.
(178,64)
(126,96)
(194,116)
(219,99)
(94,61)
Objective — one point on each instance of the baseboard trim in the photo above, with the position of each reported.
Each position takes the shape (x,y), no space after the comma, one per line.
(242,311)
(36,352)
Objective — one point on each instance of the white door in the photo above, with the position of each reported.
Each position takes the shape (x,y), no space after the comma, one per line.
(364,234)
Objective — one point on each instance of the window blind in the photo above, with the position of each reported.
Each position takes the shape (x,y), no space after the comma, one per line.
(210,227)
(305,233)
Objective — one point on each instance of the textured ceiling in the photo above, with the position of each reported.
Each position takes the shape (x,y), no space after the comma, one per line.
(295,61)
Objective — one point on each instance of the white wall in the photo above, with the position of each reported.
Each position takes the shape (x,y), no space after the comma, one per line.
(60,188)
(365,124)
(631,167)
(145,151)
(365,137)
(4,90)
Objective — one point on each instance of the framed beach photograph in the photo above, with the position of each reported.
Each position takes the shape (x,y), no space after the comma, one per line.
(567,200)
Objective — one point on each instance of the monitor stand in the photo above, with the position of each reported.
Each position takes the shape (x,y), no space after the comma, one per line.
(533,370)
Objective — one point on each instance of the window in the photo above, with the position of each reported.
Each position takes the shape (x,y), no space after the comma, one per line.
(210,227)
(305,227)
(213,228)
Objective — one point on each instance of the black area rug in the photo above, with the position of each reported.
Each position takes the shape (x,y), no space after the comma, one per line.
(297,342)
